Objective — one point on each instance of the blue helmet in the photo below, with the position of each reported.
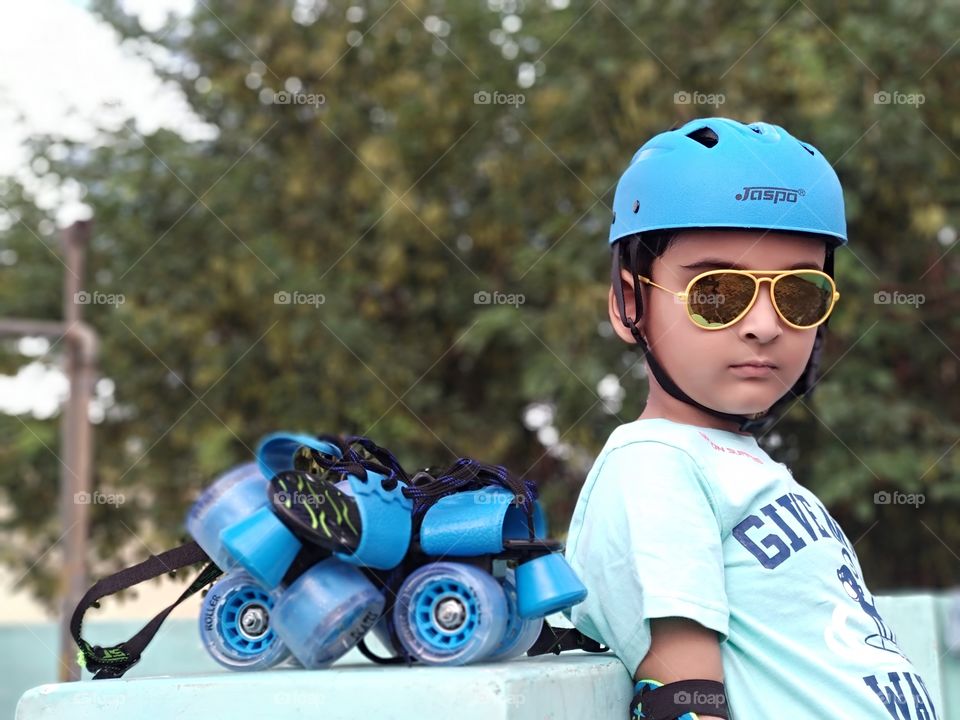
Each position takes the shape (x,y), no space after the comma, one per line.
(720,173)
(717,172)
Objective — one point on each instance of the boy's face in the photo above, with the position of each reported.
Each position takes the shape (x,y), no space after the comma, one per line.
(701,361)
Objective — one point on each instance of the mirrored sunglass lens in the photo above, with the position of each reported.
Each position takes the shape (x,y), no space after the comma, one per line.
(717,299)
(803,298)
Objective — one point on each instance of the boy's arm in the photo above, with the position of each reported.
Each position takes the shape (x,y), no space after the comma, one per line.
(681,649)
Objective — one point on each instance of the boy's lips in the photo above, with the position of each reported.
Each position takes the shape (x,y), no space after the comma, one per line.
(756,362)
(756,368)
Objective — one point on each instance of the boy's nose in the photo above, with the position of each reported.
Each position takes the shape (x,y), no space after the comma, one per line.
(761,323)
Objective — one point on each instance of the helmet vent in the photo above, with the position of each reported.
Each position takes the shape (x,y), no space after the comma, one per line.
(806,147)
(705,136)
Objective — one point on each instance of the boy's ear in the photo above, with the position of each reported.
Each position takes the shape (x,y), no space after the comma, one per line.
(613,308)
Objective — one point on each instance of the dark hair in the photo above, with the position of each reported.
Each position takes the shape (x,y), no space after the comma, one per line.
(648,246)
(635,254)
(643,248)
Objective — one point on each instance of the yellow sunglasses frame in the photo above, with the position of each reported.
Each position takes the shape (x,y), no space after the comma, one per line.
(778,274)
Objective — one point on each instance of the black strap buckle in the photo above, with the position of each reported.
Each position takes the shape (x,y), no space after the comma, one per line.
(106,663)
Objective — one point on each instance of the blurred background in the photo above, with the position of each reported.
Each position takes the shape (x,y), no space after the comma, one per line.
(390,218)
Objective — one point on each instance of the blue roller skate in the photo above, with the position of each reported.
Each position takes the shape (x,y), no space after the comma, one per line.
(327,510)
(324,538)
(490,605)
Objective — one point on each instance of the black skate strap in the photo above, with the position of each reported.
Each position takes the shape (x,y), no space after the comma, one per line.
(559,639)
(114,661)
(551,640)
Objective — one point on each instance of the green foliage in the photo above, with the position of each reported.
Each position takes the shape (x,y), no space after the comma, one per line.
(398,198)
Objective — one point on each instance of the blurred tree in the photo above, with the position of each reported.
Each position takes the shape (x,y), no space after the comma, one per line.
(378,165)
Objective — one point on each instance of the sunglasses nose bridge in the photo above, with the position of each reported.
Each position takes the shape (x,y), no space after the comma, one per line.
(758,280)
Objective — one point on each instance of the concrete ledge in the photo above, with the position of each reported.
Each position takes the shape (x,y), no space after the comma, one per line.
(916,623)
(570,686)
(573,685)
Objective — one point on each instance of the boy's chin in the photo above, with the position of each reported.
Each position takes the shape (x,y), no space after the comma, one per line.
(743,407)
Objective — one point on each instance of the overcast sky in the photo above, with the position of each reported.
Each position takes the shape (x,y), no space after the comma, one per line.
(64,73)
(59,68)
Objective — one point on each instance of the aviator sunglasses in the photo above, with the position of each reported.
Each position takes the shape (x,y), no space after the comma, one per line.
(717,299)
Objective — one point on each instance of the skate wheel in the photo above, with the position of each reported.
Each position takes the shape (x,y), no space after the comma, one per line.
(326,611)
(547,584)
(521,633)
(235,625)
(233,496)
(450,614)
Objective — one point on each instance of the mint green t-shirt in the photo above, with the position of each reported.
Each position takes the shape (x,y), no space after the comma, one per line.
(685,521)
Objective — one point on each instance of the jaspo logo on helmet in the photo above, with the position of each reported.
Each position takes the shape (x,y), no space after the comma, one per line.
(770,193)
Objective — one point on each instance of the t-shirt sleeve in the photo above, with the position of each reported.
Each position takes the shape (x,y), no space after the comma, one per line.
(649,546)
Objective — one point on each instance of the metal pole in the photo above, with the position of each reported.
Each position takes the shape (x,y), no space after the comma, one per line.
(23,326)
(84,340)
(76,446)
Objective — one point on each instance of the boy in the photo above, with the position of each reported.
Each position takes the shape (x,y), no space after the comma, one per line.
(705,561)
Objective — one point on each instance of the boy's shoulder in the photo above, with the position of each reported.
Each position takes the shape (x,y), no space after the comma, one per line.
(641,448)
(640,434)
(703,451)
(696,441)
(652,457)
